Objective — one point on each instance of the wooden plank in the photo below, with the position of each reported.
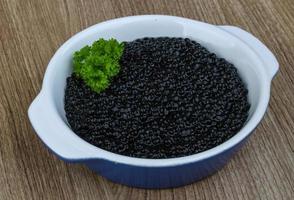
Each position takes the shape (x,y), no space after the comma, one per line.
(32,30)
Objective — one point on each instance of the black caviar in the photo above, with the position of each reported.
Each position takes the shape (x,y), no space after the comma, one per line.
(171,98)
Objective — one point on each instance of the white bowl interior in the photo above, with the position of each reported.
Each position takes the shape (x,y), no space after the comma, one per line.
(221,44)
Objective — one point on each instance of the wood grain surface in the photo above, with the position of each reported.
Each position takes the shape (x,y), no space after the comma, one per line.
(32,30)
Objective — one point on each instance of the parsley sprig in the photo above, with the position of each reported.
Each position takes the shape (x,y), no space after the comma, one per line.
(98,63)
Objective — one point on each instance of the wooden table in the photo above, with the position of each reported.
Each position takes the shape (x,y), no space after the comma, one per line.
(32,30)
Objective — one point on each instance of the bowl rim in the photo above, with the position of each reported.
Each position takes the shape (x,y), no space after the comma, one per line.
(99,153)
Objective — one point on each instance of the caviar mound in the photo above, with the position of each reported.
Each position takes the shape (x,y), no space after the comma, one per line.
(171,98)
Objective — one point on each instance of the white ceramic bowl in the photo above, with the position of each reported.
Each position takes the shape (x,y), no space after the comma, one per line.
(256,66)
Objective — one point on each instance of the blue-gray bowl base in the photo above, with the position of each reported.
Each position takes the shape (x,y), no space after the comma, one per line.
(161,177)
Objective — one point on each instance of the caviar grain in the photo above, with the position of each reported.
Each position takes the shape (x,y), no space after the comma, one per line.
(171,98)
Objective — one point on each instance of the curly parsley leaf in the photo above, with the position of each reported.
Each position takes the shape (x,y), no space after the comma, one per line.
(98,63)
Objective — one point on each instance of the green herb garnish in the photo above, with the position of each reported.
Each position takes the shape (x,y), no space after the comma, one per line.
(98,63)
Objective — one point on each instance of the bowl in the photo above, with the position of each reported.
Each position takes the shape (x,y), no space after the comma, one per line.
(254,61)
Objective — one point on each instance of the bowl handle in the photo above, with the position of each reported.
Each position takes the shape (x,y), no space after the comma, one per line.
(54,132)
(258,47)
